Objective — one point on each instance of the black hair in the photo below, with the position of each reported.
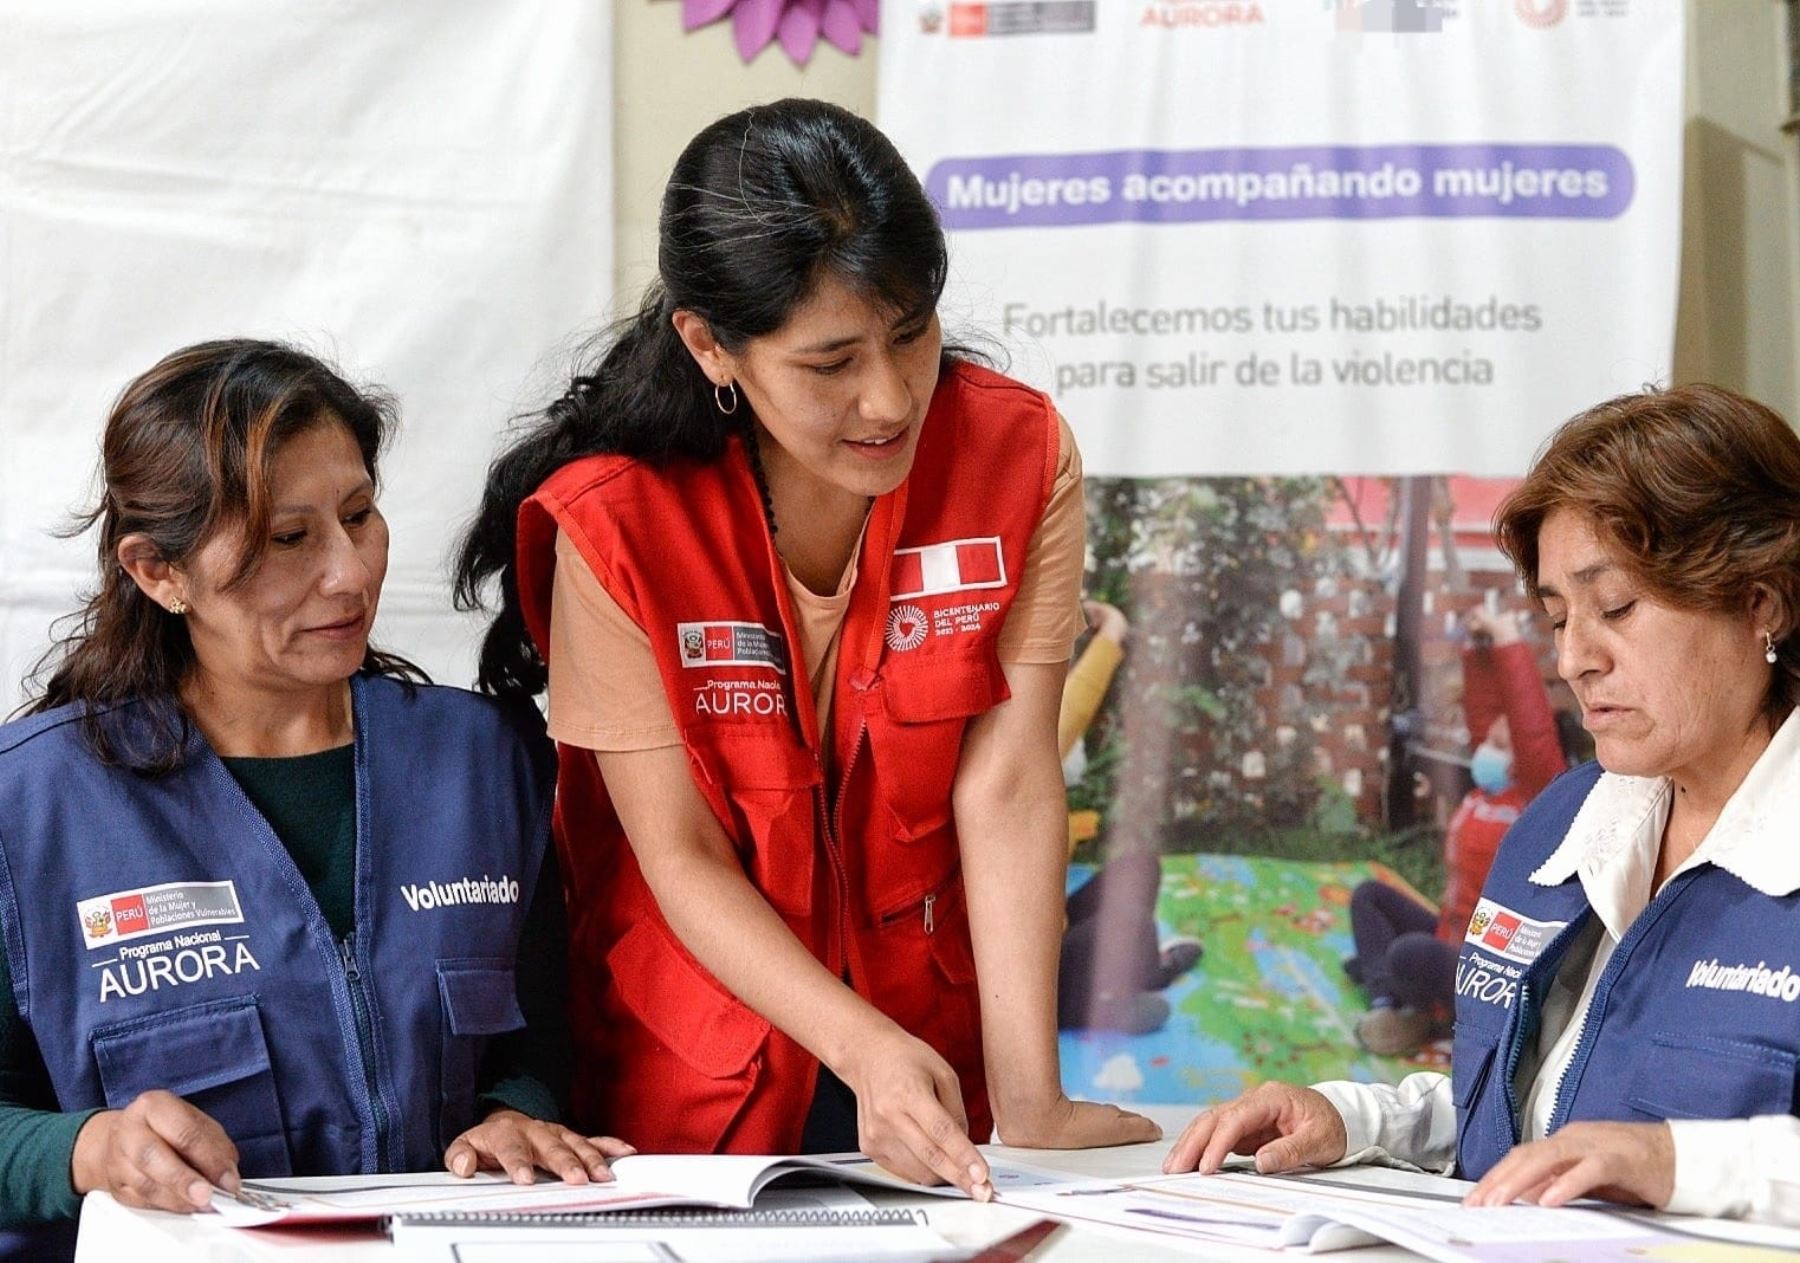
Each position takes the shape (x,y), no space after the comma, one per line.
(761,206)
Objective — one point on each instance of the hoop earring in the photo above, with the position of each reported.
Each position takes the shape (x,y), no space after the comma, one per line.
(722,393)
(178,607)
(1769,654)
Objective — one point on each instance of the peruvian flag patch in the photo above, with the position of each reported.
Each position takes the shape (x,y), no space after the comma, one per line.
(957,565)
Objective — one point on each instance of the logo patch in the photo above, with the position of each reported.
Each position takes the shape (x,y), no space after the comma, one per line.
(1510,934)
(731,645)
(178,960)
(957,565)
(906,628)
(176,905)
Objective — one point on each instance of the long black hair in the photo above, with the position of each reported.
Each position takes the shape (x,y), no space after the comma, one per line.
(761,206)
(187,453)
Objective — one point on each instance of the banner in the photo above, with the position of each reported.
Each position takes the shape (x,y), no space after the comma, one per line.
(1311,282)
(422,193)
(1284,238)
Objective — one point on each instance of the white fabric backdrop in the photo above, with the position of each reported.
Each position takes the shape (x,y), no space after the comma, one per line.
(423,192)
(1224,269)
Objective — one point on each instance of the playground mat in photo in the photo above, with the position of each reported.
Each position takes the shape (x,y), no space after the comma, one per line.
(1268,1001)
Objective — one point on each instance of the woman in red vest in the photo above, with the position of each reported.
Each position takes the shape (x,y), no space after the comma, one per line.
(801,582)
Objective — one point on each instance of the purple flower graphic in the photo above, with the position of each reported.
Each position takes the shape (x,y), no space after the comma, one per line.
(798,24)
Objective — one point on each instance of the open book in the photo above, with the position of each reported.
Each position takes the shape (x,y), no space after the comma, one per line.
(642,1182)
(1318,1216)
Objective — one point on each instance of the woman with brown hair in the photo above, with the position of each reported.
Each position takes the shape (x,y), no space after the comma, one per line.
(264,891)
(1628,994)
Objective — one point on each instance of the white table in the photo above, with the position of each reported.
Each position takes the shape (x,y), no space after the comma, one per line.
(110,1232)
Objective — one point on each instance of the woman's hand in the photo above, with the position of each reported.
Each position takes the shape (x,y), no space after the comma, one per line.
(1283,1125)
(509,1141)
(910,1116)
(1621,1162)
(158,1153)
(1064,1124)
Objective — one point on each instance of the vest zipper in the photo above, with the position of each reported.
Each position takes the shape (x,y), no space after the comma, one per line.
(834,829)
(926,907)
(1553,952)
(365,1039)
(1584,1047)
(1513,1113)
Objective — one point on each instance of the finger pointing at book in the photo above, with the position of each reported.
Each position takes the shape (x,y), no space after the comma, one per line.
(910,1115)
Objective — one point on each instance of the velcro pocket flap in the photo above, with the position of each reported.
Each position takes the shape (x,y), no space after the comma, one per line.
(185,1051)
(684,1007)
(746,757)
(1471,1059)
(928,690)
(479,999)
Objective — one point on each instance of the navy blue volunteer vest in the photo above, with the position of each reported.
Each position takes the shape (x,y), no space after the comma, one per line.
(161,937)
(1696,1016)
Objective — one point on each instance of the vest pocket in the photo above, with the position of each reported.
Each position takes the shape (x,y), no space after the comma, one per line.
(1703,1076)
(930,703)
(763,785)
(710,1029)
(480,1000)
(1471,1062)
(1471,1058)
(687,1049)
(213,1056)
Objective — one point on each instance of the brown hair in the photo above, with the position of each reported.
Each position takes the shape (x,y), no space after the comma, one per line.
(1699,487)
(187,452)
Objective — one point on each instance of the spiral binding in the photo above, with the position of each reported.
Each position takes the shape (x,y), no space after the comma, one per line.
(676,1218)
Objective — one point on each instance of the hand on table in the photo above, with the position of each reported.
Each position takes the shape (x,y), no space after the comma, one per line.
(1065,1124)
(158,1153)
(509,1141)
(1621,1162)
(910,1116)
(1283,1125)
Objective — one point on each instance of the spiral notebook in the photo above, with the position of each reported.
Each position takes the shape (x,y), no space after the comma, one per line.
(796,1226)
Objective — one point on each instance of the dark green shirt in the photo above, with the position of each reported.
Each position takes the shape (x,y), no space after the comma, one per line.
(310,802)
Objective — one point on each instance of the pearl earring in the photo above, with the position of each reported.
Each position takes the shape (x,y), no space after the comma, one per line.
(178,607)
(1769,654)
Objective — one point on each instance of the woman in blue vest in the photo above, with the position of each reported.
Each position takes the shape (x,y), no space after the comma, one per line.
(264,890)
(1628,991)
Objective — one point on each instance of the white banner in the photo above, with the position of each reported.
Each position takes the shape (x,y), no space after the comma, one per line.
(422,192)
(1358,236)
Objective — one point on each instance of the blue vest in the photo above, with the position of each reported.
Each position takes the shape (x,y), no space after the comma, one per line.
(160,935)
(1697,1014)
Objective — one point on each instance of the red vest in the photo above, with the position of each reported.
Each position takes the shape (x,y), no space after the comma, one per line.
(864,870)
(1497,681)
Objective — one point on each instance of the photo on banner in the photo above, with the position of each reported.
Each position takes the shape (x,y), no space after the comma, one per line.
(1311,283)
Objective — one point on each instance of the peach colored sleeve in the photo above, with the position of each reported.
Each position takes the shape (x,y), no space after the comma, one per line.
(1046,615)
(605,690)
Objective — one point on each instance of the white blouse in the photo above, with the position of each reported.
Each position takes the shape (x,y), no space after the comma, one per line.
(1735,1167)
